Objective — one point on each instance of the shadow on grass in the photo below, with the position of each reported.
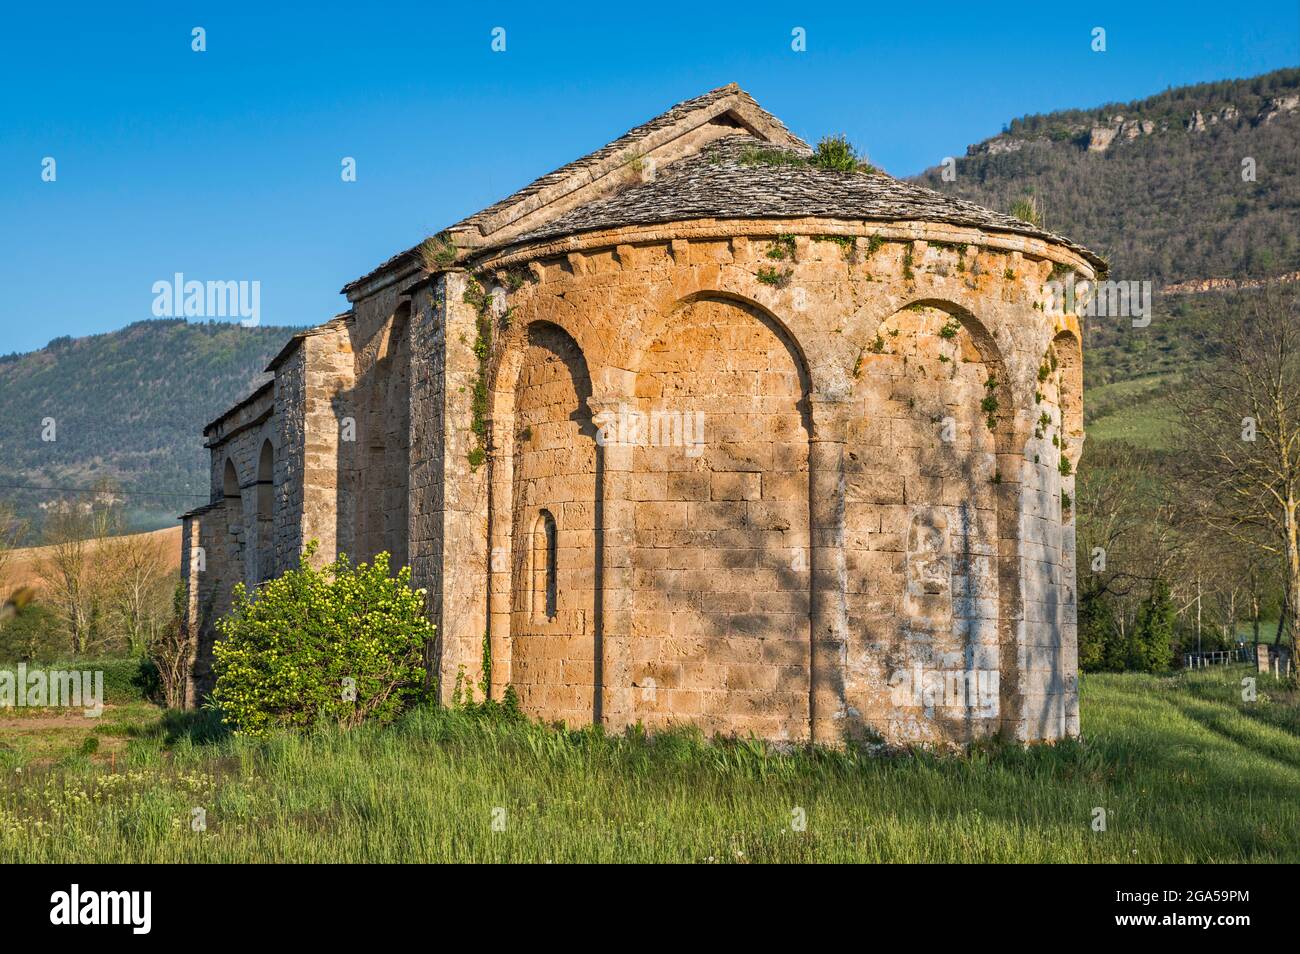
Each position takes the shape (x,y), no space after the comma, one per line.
(1258,735)
(198,726)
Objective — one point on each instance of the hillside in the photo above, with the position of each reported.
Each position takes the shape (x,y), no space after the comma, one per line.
(128,405)
(1156,185)
(23,565)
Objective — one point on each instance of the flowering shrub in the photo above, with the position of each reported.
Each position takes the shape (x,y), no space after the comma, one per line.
(339,645)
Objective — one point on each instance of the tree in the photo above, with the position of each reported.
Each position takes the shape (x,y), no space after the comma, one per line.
(30,635)
(11,531)
(134,572)
(74,579)
(1128,547)
(170,649)
(1241,438)
(1151,649)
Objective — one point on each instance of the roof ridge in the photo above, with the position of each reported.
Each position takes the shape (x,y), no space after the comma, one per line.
(476,222)
(635,134)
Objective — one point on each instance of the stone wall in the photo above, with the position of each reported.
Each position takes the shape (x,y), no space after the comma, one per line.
(808,479)
(867,537)
(553,653)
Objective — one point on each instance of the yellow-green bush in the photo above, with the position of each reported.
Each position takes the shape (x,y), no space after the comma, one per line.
(340,645)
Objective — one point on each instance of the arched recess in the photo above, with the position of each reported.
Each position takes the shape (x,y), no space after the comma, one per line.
(232,558)
(933,482)
(631,352)
(233,501)
(382,505)
(266,512)
(545,526)
(719,475)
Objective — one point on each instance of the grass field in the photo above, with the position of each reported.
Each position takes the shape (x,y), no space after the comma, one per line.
(1185,770)
(1137,411)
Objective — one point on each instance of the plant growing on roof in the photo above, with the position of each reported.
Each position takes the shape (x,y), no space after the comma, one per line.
(437,252)
(837,153)
(1028,210)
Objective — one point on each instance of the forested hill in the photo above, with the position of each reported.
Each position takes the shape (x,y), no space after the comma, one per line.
(1156,185)
(128,405)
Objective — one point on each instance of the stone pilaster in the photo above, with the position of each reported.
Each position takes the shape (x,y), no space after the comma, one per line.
(829,607)
(328,442)
(500,559)
(449,495)
(615,540)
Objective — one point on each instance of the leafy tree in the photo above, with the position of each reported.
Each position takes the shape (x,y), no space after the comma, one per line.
(31,635)
(339,645)
(1151,649)
(1097,629)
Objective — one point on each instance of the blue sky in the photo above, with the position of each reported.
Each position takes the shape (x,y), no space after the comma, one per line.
(225,165)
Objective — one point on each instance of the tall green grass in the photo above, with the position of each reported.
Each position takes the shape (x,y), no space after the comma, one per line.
(1185,770)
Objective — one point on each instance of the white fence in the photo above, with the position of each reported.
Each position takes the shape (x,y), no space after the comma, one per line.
(1219,657)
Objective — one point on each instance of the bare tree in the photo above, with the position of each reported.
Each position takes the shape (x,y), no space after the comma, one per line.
(10,530)
(12,598)
(74,579)
(170,649)
(1126,535)
(135,570)
(1241,437)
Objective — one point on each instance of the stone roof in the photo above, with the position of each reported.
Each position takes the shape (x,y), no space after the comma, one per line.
(725,100)
(715,181)
(741,177)
(621,147)
(257,392)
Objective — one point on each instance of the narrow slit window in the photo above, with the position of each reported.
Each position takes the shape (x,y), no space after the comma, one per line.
(544,570)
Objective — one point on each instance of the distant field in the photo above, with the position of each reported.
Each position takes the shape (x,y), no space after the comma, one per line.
(1184,769)
(1137,412)
(20,570)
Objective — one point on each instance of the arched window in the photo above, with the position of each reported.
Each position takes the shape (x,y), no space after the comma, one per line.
(544,572)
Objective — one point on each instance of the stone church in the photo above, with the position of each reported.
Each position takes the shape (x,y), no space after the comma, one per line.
(695,429)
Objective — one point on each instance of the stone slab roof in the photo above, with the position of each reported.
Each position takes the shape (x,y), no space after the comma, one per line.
(741,177)
(728,100)
(710,180)
(243,402)
(621,147)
